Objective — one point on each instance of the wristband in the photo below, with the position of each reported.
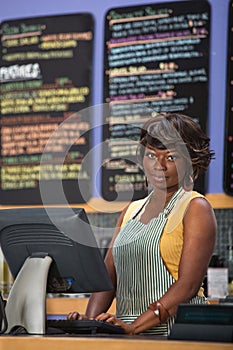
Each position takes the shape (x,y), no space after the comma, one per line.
(160,311)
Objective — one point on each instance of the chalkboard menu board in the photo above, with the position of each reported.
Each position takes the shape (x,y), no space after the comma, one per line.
(228,152)
(46,78)
(156,60)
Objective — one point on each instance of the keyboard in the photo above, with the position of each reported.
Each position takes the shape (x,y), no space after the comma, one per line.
(84,326)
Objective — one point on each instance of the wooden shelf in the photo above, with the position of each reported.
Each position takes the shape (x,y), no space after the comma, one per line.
(220,200)
(217,200)
(65,305)
(99,205)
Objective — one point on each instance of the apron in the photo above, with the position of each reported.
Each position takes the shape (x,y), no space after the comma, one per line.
(142,276)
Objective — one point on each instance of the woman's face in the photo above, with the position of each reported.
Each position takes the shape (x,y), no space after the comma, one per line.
(165,169)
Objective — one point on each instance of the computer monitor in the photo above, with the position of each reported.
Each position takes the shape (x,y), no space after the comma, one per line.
(49,250)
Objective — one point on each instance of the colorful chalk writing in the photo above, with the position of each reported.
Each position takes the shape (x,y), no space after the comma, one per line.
(45,76)
(156,60)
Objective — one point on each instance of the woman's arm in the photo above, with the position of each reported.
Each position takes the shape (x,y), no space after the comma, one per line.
(199,241)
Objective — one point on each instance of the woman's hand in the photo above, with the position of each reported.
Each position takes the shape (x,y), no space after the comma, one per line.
(76,316)
(128,328)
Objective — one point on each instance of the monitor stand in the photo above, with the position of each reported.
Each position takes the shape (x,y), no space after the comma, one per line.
(26,304)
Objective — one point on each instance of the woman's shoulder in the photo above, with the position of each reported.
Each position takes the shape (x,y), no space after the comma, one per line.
(195,194)
(200,211)
(189,197)
(186,199)
(195,201)
(199,201)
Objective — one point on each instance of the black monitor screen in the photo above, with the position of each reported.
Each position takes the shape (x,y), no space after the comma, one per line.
(205,314)
(66,236)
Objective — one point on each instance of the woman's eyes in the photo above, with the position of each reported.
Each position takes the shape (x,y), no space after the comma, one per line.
(171,157)
(150,155)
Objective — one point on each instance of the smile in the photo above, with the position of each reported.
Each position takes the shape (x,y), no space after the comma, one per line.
(159,178)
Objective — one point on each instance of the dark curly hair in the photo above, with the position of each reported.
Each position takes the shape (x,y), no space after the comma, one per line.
(179,131)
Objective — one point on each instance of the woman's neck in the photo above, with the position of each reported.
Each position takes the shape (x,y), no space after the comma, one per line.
(155,205)
(162,197)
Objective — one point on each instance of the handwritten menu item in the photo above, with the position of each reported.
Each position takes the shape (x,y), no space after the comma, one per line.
(228,143)
(156,60)
(46,77)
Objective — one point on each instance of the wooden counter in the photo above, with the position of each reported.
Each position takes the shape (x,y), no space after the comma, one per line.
(99,343)
(99,205)
(119,342)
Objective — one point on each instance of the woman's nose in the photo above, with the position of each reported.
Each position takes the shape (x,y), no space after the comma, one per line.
(160,163)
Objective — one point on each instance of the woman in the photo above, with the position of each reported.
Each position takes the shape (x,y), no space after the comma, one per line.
(163,244)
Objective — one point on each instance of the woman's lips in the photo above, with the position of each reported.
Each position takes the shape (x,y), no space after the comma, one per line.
(159,177)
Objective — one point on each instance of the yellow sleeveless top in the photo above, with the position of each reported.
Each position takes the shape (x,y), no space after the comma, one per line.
(171,243)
